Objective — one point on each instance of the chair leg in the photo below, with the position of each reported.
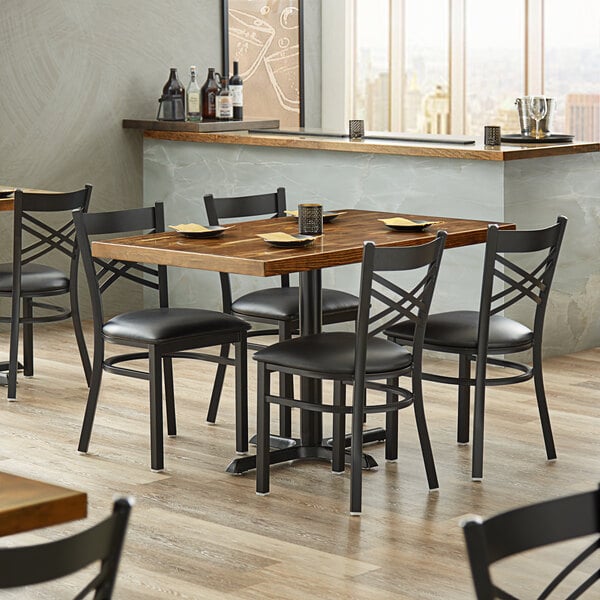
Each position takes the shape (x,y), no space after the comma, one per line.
(478,420)
(391,425)
(338,463)
(14,348)
(79,337)
(286,387)
(464,400)
(540,394)
(156,417)
(215,397)
(263,433)
(241,397)
(92,400)
(27,337)
(424,440)
(169,396)
(358,400)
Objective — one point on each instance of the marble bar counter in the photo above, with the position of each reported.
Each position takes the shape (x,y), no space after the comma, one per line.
(529,185)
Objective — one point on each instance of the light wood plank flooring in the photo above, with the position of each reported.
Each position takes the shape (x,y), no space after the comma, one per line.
(199,533)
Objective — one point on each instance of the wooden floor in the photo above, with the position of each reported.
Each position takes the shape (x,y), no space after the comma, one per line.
(197,532)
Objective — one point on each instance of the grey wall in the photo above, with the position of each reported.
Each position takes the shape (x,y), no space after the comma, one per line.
(71,70)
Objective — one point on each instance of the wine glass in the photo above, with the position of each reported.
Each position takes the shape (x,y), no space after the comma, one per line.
(537,108)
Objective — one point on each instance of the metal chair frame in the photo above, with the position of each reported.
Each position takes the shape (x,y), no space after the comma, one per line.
(398,303)
(101,275)
(274,205)
(531,527)
(29,565)
(34,239)
(514,284)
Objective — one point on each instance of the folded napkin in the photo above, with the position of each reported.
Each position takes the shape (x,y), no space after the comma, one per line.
(280,236)
(190,228)
(401,221)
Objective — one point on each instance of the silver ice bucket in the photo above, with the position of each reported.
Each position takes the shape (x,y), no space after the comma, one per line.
(528,124)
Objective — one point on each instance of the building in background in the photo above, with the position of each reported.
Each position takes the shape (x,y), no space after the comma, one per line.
(583,116)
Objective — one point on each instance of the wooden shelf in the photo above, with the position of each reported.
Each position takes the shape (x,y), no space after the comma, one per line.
(200,126)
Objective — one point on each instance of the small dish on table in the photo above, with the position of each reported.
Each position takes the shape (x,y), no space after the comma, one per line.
(281,239)
(193,230)
(404,224)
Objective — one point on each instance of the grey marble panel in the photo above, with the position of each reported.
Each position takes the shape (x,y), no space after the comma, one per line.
(180,173)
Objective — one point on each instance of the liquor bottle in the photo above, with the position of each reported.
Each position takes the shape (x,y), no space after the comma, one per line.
(224,107)
(172,102)
(237,93)
(192,100)
(210,89)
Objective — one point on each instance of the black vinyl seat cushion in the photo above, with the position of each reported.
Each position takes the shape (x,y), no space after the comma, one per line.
(458,329)
(156,324)
(332,353)
(35,279)
(282,304)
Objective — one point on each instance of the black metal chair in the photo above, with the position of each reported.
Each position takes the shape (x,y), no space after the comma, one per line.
(35,236)
(29,565)
(162,332)
(361,359)
(274,305)
(483,333)
(531,527)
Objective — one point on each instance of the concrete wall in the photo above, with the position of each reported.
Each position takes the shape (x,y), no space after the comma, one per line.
(71,70)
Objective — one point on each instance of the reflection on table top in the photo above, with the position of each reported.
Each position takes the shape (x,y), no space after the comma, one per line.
(240,250)
(27,504)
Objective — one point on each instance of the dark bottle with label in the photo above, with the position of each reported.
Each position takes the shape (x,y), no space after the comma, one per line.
(172,101)
(236,88)
(210,90)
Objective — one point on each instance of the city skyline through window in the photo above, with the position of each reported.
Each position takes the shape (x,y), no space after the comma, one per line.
(453,66)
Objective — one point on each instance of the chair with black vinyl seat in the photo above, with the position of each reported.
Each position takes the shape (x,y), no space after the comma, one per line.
(273,305)
(532,527)
(25,280)
(518,271)
(30,565)
(162,333)
(361,359)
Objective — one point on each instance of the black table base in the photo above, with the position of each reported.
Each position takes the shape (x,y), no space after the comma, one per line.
(288,449)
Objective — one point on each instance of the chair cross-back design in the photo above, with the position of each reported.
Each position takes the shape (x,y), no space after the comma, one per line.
(518,270)
(29,565)
(274,306)
(530,527)
(162,333)
(26,279)
(362,359)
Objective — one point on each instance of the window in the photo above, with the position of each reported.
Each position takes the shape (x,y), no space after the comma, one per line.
(453,66)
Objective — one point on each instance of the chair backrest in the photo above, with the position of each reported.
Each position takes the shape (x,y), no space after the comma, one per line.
(240,207)
(531,527)
(519,283)
(102,273)
(383,303)
(21,566)
(35,238)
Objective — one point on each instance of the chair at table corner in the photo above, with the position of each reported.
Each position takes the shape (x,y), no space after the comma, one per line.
(29,565)
(27,281)
(517,274)
(273,305)
(532,527)
(361,359)
(161,333)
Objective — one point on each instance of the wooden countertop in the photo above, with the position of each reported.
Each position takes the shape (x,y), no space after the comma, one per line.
(475,151)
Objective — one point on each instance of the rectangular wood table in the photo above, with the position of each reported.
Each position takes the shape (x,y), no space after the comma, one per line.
(27,504)
(240,250)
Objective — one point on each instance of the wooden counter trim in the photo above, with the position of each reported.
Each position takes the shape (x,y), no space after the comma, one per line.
(474,152)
